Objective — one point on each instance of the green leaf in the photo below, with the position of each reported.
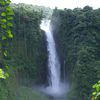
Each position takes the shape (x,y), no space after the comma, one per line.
(2,74)
(6,67)
(3,26)
(94,86)
(9,24)
(9,34)
(97,88)
(8,31)
(4,37)
(3,14)
(5,53)
(9,18)
(3,20)
(6,74)
(98,82)
(10,13)
(8,2)
(8,8)
(2,3)
(94,93)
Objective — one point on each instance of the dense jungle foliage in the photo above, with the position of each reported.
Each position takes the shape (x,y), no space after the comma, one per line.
(6,17)
(77,33)
(29,43)
(27,59)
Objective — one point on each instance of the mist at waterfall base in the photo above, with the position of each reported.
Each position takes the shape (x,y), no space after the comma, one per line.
(56,88)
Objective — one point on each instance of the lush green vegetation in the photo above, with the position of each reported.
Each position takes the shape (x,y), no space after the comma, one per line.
(28,44)
(77,33)
(27,54)
(96,92)
(6,25)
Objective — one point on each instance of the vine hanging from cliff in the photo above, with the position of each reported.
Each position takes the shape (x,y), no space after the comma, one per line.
(6,24)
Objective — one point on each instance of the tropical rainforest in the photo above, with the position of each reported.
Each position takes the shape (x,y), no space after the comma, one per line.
(77,35)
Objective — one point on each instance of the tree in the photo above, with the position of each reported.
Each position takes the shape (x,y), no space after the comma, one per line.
(77,33)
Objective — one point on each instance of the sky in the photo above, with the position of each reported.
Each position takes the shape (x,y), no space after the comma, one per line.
(62,3)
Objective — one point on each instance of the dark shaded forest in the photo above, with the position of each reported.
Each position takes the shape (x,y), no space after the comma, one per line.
(27,59)
(77,35)
(77,32)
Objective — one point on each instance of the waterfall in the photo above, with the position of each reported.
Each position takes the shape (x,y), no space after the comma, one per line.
(56,87)
(53,60)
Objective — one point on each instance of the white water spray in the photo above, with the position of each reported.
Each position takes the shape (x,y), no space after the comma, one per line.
(53,60)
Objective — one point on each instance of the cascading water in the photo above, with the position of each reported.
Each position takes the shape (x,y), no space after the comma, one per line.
(54,87)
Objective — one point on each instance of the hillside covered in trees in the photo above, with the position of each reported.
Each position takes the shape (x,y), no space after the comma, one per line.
(27,58)
(77,35)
